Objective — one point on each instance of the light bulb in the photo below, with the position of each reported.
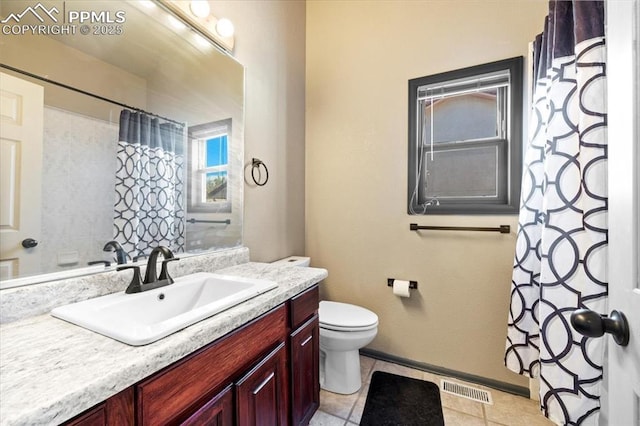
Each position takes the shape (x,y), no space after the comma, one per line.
(224,27)
(200,8)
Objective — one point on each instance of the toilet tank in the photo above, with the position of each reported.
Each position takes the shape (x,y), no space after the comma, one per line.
(293,261)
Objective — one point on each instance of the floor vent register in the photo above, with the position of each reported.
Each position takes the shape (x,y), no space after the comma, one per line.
(465,391)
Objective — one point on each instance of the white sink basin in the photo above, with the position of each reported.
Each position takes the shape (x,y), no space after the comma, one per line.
(141,318)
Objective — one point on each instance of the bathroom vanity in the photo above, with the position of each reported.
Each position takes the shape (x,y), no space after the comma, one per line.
(257,360)
(262,363)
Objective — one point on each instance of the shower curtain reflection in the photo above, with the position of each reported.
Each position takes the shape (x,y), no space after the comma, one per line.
(149,196)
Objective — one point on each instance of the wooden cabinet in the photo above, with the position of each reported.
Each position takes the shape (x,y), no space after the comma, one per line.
(263,373)
(304,362)
(96,416)
(262,394)
(305,383)
(184,387)
(115,411)
(217,412)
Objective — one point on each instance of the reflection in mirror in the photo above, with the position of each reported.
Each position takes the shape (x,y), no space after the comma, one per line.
(99,132)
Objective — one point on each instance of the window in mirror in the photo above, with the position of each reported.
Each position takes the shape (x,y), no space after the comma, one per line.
(465,140)
(209,166)
(214,172)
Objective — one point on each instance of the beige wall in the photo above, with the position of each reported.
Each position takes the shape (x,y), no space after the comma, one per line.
(270,42)
(360,56)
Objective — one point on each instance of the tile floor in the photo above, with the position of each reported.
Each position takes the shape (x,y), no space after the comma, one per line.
(507,409)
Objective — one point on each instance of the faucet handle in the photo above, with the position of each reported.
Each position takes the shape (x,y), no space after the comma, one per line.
(164,272)
(135,286)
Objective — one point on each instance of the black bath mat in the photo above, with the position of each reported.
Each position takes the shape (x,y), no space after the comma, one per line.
(401,401)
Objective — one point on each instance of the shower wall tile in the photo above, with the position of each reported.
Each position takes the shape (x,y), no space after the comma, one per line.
(79,161)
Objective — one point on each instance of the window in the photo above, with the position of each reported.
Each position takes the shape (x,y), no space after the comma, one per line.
(209,167)
(465,138)
(214,172)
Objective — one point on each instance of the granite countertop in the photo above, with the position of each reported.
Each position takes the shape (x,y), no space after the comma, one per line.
(51,370)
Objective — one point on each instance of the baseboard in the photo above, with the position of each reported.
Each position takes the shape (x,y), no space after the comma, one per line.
(494,384)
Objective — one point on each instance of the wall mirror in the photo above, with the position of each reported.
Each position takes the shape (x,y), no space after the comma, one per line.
(112,111)
(465,138)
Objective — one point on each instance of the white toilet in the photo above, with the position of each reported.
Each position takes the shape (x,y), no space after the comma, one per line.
(344,329)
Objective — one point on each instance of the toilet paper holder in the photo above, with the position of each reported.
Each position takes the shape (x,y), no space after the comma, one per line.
(412,284)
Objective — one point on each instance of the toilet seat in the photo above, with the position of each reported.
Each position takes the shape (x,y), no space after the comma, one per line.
(346,317)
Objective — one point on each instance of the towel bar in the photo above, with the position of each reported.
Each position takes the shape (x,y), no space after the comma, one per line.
(503,229)
(226,221)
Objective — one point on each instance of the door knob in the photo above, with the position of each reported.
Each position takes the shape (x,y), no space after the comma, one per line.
(592,324)
(29,243)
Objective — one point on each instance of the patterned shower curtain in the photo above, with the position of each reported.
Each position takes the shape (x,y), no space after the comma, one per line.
(149,205)
(560,262)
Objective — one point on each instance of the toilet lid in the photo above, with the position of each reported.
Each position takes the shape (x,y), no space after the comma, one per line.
(343,316)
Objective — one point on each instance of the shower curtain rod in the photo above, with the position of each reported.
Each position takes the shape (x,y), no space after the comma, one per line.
(75,89)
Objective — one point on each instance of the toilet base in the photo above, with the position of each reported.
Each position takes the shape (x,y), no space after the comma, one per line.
(340,372)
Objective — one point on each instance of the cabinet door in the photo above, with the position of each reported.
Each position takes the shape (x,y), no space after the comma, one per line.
(217,412)
(262,394)
(305,374)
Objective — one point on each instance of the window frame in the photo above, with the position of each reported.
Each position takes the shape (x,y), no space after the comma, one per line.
(198,136)
(506,203)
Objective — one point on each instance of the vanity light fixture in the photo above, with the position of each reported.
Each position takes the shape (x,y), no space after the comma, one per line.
(224,27)
(197,14)
(200,8)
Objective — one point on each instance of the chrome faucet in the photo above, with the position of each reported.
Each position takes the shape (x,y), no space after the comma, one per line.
(151,279)
(121,255)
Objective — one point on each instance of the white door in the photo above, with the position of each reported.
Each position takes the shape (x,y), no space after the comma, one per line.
(622,406)
(21,116)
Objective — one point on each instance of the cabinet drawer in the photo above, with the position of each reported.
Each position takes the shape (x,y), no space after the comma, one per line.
(173,392)
(304,306)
